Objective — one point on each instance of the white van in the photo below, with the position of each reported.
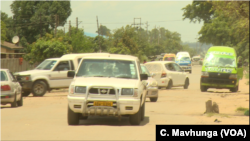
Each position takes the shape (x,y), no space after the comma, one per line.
(184,60)
(50,74)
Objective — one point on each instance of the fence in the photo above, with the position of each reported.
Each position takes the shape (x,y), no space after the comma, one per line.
(13,65)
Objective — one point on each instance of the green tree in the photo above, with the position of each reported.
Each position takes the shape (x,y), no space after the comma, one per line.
(103,30)
(8,24)
(32,18)
(3,31)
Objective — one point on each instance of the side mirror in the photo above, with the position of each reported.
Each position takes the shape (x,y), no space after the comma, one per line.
(144,77)
(153,74)
(71,73)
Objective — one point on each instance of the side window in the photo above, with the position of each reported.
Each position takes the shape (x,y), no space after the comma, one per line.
(170,67)
(62,66)
(72,65)
(177,67)
(153,68)
(11,76)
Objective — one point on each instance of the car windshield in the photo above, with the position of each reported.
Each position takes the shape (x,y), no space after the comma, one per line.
(196,59)
(46,65)
(213,60)
(169,59)
(4,76)
(145,70)
(183,58)
(107,68)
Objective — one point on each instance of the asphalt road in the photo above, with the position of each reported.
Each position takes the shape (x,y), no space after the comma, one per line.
(45,118)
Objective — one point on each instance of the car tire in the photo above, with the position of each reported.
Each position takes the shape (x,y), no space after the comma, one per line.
(186,84)
(37,86)
(203,88)
(83,117)
(14,104)
(135,119)
(153,99)
(170,84)
(73,118)
(190,71)
(143,111)
(235,89)
(20,102)
(25,93)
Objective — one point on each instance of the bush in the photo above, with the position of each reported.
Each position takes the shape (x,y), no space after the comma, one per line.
(246,113)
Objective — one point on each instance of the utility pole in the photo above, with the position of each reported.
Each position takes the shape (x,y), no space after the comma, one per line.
(147,26)
(101,29)
(69,28)
(76,23)
(159,34)
(55,24)
(137,24)
(98,33)
(40,25)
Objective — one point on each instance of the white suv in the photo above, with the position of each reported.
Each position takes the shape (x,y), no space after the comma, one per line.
(110,85)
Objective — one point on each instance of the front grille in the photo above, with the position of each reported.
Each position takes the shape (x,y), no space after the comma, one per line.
(218,81)
(219,75)
(102,91)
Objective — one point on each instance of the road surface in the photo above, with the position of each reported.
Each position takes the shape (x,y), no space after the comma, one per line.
(45,118)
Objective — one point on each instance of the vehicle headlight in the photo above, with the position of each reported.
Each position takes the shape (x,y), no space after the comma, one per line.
(71,89)
(127,91)
(25,78)
(204,74)
(153,84)
(233,76)
(80,89)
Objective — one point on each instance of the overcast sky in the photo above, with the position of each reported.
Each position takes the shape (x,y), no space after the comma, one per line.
(115,14)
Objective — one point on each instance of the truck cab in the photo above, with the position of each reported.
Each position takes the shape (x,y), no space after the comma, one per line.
(50,74)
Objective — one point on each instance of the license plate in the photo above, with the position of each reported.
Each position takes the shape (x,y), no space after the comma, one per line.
(102,103)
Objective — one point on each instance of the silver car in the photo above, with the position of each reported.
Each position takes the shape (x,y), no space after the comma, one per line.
(11,90)
(152,87)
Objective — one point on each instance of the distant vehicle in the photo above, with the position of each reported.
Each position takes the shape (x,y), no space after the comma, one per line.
(152,88)
(110,85)
(196,60)
(50,74)
(221,69)
(168,74)
(184,60)
(11,90)
(169,57)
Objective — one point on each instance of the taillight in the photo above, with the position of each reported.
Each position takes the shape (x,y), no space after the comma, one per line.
(5,88)
(164,74)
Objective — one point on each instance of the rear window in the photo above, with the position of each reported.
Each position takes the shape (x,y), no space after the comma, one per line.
(153,67)
(4,76)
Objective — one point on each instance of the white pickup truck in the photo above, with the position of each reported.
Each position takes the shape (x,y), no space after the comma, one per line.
(108,85)
(50,74)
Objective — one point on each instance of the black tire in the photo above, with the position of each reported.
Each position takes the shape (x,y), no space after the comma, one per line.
(170,84)
(25,93)
(235,89)
(190,71)
(83,117)
(14,104)
(153,99)
(143,111)
(20,102)
(73,118)
(135,119)
(39,88)
(186,84)
(203,88)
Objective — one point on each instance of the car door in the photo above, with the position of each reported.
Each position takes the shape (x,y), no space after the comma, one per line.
(156,69)
(58,76)
(181,74)
(172,72)
(142,87)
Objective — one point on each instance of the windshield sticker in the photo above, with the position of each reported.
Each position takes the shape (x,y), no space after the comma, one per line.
(220,53)
(219,69)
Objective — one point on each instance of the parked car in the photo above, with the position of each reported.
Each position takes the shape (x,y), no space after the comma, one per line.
(183,59)
(151,85)
(109,85)
(168,74)
(11,90)
(50,74)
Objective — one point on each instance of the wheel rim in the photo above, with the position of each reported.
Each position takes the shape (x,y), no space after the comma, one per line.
(39,88)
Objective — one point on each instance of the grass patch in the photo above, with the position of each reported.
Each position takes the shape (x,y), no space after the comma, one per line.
(216,114)
(241,109)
